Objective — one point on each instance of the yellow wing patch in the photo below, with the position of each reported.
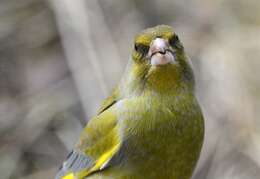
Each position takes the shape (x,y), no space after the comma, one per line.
(105,158)
(100,164)
(69,176)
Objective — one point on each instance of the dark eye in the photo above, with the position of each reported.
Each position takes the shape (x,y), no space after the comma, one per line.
(174,41)
(143,49)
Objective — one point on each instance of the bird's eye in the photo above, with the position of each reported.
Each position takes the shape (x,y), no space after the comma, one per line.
(143,49)
(174,41)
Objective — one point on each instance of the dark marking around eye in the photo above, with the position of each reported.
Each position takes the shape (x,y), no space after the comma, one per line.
(143,49)
(174,41)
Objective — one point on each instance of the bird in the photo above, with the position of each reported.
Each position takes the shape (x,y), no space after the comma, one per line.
(151,126)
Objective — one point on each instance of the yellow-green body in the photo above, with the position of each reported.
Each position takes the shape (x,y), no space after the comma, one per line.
(151,127)
(165,148)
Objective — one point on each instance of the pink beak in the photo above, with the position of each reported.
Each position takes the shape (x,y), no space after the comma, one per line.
(160,52)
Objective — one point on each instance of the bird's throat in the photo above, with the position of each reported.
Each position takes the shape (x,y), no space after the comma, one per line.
(162,80)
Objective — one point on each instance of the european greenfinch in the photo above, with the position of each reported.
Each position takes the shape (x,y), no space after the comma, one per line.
(151,127)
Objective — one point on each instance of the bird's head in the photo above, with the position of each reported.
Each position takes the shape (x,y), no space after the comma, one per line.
(159,62)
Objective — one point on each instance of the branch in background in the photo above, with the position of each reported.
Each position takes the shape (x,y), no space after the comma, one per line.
(74,26)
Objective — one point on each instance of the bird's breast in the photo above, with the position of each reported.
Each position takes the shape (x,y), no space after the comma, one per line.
(161,136)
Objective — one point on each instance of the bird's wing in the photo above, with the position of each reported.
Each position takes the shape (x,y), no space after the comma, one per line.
(112,99)
(98,143)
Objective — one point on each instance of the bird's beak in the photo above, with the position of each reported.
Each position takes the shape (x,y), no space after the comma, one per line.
(160,52)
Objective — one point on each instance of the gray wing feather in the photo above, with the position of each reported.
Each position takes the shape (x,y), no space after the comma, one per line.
(75,162)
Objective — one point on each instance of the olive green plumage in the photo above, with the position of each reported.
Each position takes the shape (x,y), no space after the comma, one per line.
(151,127)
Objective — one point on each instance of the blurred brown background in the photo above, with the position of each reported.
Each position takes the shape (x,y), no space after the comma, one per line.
(60,58)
